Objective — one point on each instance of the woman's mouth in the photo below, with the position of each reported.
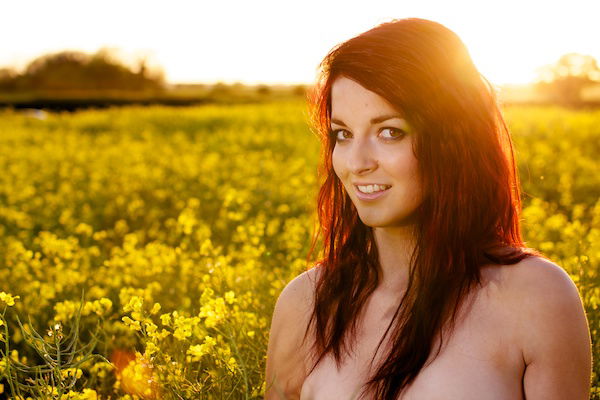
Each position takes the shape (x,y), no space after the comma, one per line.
(371,192)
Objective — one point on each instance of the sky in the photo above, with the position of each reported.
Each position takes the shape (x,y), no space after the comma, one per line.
(279,41)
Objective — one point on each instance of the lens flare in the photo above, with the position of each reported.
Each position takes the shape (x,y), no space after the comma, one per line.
(135,374)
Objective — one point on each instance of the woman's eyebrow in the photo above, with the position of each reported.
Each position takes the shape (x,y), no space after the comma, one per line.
(382,118)
(375,120)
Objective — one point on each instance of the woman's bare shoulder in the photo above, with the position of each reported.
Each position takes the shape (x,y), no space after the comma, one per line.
(530,276)
(543,314)
(287,363)
(303,286)
(538,277)
(525,292)
(552,329)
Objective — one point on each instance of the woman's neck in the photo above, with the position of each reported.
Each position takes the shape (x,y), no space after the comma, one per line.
(395,246)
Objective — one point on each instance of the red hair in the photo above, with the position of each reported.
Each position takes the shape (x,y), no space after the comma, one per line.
(470,211)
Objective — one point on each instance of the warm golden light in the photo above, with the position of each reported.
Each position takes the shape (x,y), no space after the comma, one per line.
(135,375)
(276,42)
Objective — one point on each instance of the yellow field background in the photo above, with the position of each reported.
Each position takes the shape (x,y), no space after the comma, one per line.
(180,226)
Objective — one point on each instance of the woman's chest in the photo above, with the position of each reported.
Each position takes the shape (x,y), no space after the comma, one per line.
(479,361)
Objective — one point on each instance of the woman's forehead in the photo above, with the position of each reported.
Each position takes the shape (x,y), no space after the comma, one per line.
(349,98)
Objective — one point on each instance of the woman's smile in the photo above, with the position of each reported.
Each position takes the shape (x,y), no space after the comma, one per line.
(371,192)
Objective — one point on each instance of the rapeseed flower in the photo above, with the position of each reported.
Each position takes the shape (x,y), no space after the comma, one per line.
(8,299)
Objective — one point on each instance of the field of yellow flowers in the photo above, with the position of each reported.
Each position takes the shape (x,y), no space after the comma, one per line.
(143,249)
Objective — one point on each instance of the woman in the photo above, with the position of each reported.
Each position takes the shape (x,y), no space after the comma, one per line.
(425,290)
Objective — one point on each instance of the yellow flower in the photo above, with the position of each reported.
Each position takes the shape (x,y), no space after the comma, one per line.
(232,363)
(184,326)
(8,299)
(214,311)
(89,394)
(197,351)
(165,319)
(206,247)
(84,229)
(151,349)
(135,325)
(71,372)
(135,304)
(230,297)
(99,307)
(156,308)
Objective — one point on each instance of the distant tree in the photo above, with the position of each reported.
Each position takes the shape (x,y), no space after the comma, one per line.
(74,70)
(299,90)
(263,90)
(220,89)
(563,81)
(7,79)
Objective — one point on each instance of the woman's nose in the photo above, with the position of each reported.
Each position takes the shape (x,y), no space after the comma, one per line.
(361,158)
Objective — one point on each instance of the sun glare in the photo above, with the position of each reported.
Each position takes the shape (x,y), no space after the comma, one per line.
(260,42)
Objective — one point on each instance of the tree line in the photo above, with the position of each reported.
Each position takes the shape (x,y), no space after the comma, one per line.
(79,71)
(564,81)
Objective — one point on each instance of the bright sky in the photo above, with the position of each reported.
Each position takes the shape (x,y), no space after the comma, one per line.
(278,41)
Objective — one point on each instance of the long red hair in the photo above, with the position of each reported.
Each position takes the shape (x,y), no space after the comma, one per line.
(470,212)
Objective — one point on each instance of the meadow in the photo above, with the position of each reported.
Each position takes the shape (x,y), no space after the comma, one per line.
(143,248)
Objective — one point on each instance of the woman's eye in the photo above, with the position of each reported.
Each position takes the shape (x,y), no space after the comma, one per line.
(336,134)
(394,133)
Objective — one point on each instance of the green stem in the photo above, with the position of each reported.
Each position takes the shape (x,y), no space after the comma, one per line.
(242,363)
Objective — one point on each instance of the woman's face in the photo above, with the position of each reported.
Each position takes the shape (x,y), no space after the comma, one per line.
(374,146)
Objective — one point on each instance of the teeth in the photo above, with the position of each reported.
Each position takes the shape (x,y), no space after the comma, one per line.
(373,188)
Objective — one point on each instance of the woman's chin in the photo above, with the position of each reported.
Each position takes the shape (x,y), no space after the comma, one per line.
(379,220)
(374,221)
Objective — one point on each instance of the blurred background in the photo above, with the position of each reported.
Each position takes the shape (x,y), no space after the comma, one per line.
(68,53)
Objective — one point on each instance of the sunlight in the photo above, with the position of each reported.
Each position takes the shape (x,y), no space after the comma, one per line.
(259,41)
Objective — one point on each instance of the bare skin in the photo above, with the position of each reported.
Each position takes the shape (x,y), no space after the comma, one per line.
(525,336)
(480,361)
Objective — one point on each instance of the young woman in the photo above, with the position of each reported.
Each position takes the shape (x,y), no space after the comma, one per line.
(425,289)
